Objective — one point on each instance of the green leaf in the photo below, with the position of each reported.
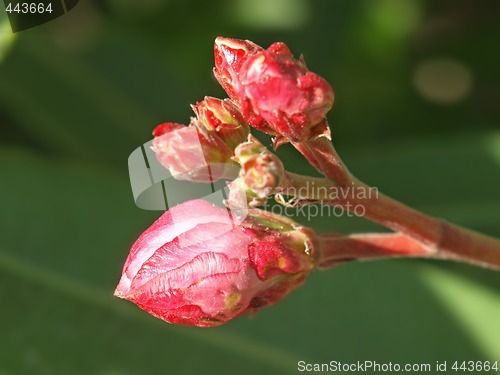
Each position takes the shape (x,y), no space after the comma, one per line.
(67,233)
(467,300)
(68,218)
(64,241)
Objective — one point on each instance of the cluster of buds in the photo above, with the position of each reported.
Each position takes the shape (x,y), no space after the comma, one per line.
(200,264)
(203,265)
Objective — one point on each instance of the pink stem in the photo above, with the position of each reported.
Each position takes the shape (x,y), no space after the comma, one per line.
(436,235)
(442,237)
(333,249)
(320,153)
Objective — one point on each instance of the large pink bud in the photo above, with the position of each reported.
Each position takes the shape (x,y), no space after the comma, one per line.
(276,92)
(193,266)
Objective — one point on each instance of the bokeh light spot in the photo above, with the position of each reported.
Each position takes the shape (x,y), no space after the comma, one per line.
(493,146)
(395,17)
(6,35)
(442,80)
(270,14)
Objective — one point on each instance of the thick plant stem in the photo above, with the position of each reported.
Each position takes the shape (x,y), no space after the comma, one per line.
(436,235)
(365,201)
(352,195)
(440,236)
(333,249)
(384,210)
(320,153)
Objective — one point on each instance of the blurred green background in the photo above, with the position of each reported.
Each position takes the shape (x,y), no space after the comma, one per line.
(417,114)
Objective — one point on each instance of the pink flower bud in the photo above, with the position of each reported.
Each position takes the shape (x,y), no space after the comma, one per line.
(193,266)
(276,92)
(191,155)
(202,152)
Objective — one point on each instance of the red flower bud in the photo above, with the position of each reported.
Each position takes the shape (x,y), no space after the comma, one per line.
(166,127)
(223,118)
(276,92)
(229,56)
(193,266)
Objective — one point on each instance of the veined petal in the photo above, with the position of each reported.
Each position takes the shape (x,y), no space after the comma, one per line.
(170,225)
